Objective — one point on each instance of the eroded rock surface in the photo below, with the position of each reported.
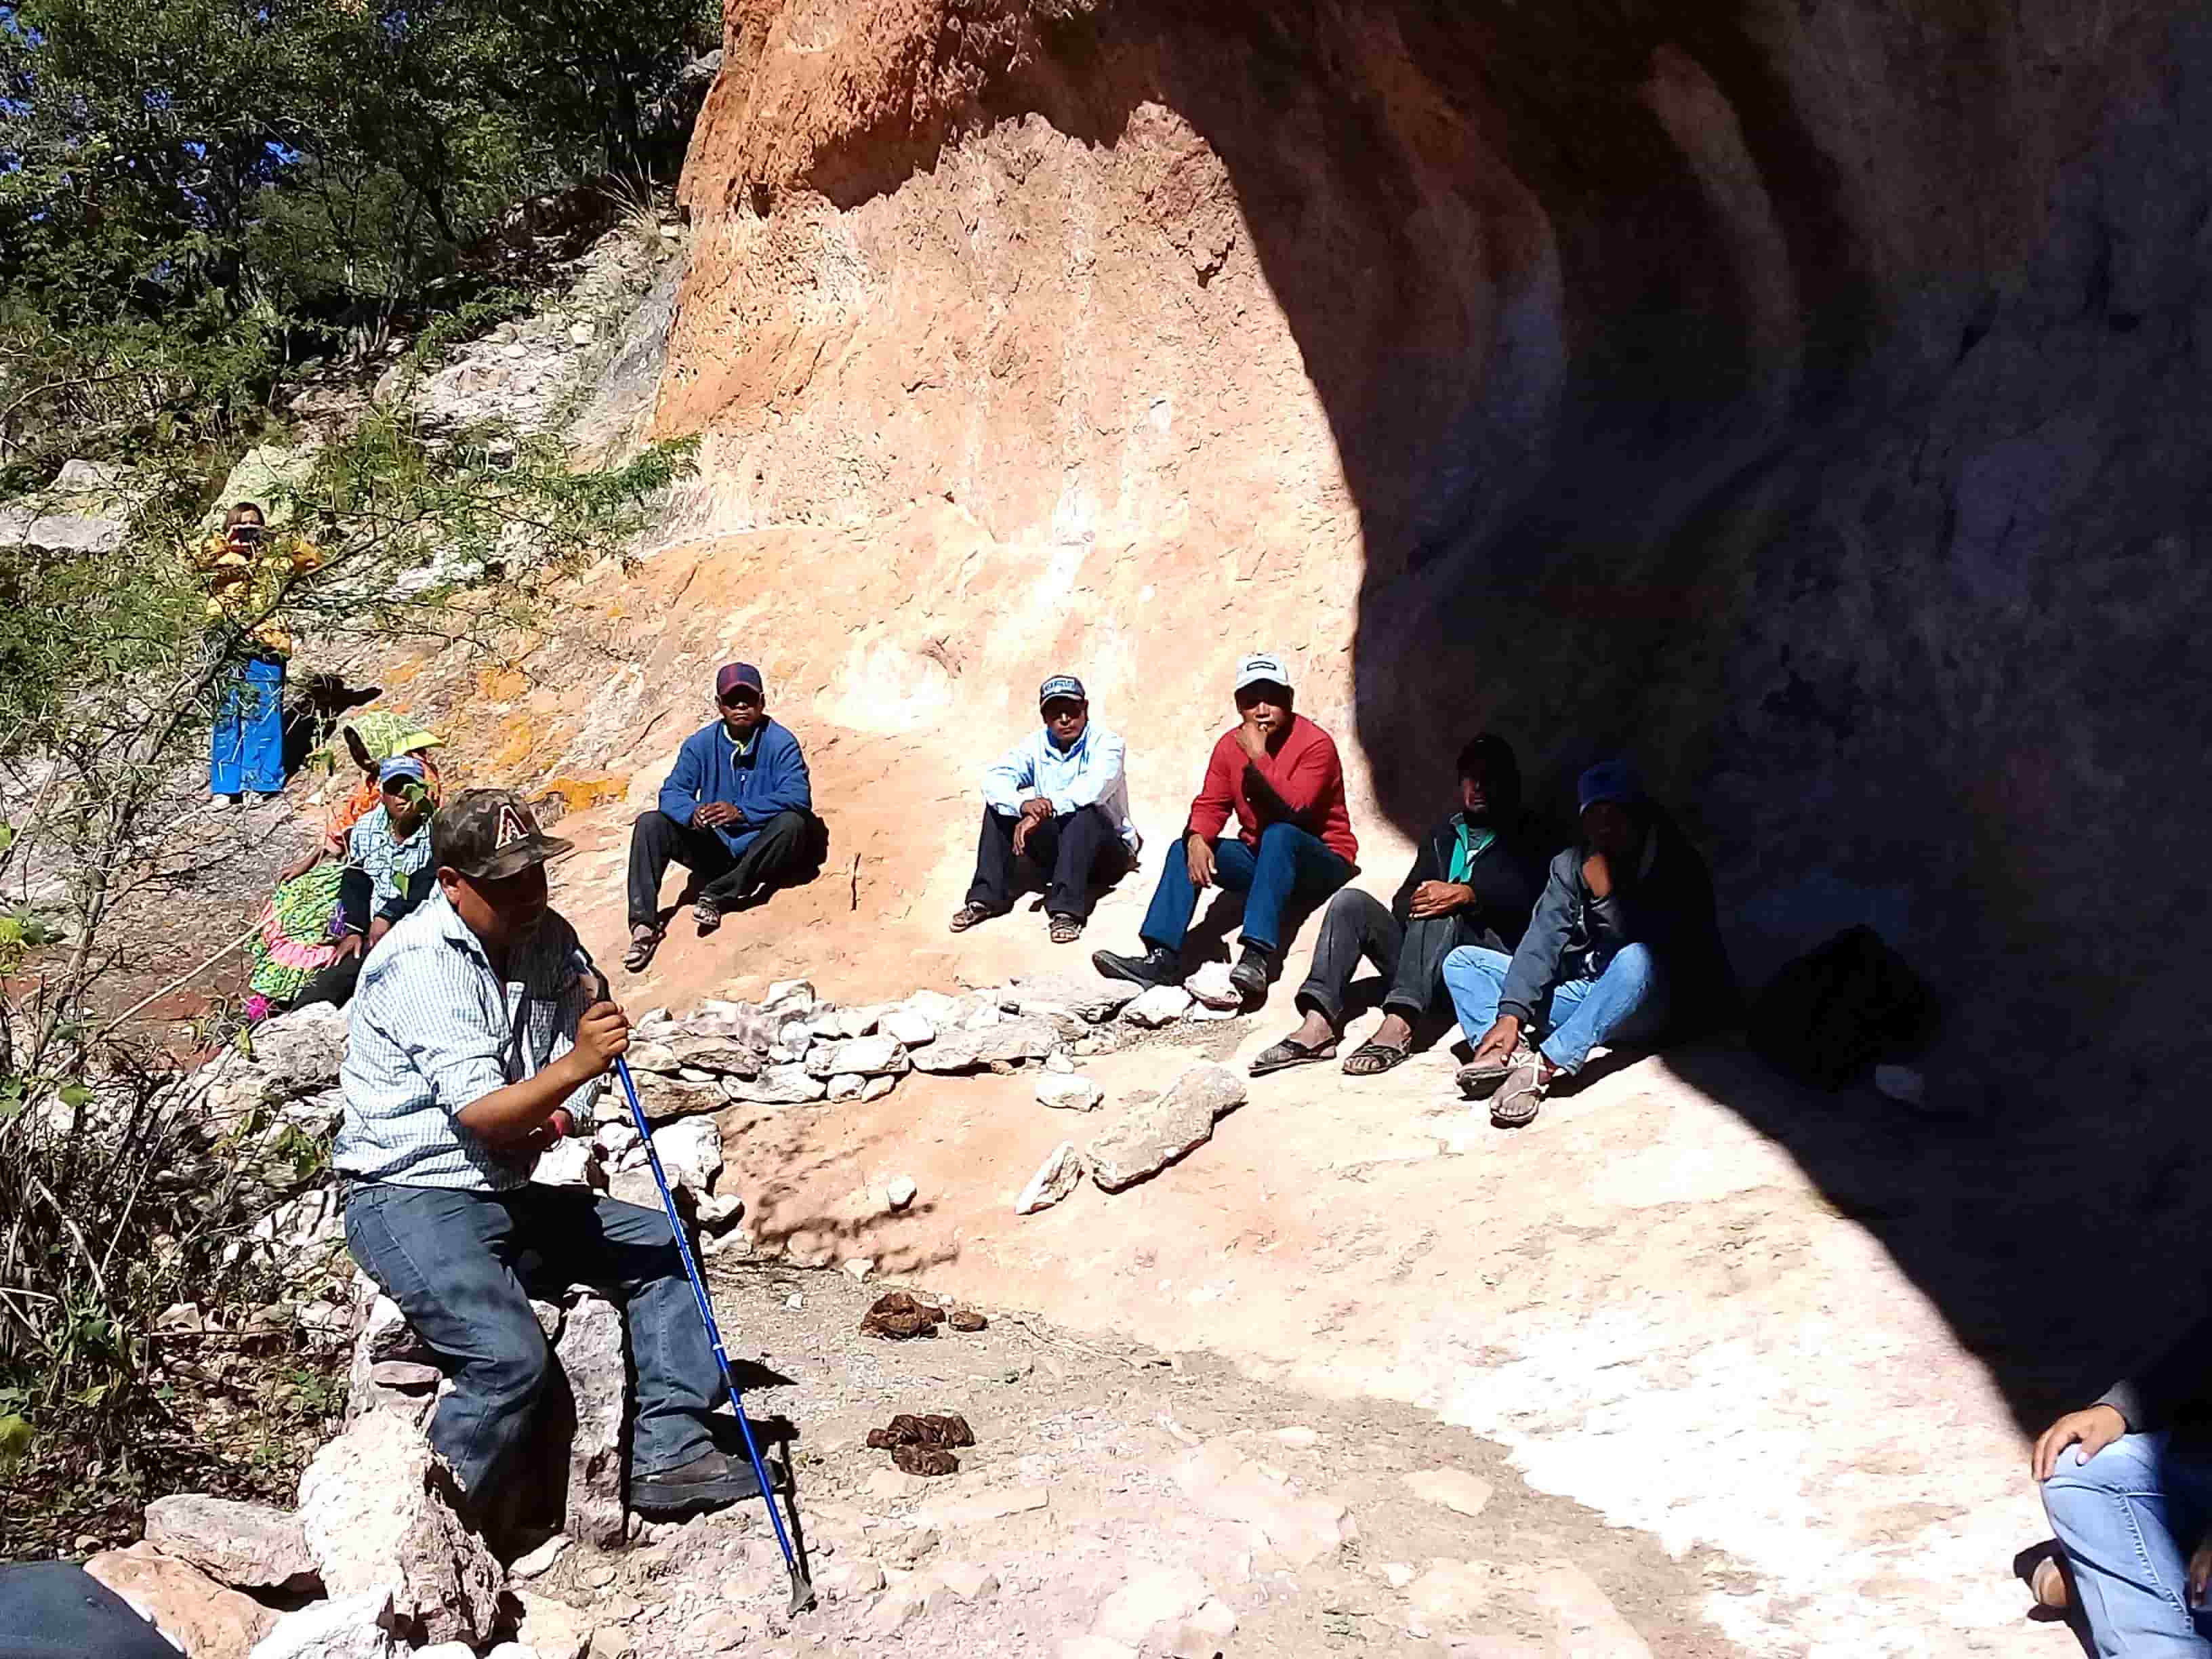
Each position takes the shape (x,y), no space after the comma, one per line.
(378,1508)
(248,1546)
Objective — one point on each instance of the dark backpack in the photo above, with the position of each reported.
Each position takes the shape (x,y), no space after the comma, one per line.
(1829,1016)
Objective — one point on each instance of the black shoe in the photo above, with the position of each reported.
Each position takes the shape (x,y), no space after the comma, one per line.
(1252,972)
(712,1480)
(1158,966)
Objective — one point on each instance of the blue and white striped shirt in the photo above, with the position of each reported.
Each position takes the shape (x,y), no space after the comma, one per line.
(434,1029)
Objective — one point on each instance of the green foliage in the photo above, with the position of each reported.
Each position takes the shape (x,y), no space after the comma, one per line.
(199,199)
(15,1436)
(309,155)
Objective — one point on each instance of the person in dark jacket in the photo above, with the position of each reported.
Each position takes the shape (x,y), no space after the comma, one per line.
(736,810)
(2127,1483)
(1623,947)
(1472,883)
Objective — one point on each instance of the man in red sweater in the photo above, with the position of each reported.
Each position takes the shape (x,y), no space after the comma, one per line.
(1279,774)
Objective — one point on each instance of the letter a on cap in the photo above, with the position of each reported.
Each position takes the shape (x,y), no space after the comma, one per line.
(510,829)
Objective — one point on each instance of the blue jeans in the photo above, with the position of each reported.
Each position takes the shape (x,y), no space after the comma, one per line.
(1626,1003)
(247,750)
(453,1261)
(1290,865)
(2128,1519)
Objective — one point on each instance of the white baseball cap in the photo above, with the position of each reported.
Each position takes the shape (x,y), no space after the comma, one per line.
(1261,666)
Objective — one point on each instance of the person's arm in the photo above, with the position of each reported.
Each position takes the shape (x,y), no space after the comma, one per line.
(299,866)
(679,796)
(1536,963)
(1299,782)
(1210,810)
(1010,780)
(2177,1380)
(514,1116)
(1096,780)
(788,789)
(1425,869)
(467,1071)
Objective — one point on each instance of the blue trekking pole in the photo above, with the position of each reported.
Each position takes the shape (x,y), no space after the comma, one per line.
(802,1592)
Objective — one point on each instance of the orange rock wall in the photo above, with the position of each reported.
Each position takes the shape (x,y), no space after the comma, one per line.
(1805,399)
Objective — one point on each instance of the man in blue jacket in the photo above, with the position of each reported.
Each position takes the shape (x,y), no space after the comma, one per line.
(737,811)
(1624,948)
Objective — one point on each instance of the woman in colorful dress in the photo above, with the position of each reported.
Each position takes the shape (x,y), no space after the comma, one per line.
(297,938)
(246,573)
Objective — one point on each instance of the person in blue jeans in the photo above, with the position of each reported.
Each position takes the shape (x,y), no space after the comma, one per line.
(2127,1483)
(1624,948)
(1279,775)
(476,1042)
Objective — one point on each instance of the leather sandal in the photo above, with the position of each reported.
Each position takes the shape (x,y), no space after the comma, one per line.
(640,954)
(1289,1052)
(1373,1059)
(1066,929)
(968,915)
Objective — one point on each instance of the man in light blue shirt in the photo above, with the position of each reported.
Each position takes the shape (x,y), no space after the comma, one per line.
(1058,804)
(476,1042)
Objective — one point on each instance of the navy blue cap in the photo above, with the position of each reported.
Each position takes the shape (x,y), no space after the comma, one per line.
(1608,780)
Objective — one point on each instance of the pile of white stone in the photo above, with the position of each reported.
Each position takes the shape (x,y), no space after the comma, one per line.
(793,1047)
(375,1560)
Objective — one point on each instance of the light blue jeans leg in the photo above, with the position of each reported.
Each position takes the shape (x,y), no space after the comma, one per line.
(2127,1520)
(1626,1003)
(1473,977)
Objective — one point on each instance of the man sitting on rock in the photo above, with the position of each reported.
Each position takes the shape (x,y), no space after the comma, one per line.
(1279,774)
(2128,1486)
(1622,948)
(474,1045)
(1058,803)
(736,810)
(1473,882)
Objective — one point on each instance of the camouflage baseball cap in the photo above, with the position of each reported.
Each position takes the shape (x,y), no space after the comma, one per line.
(490,835)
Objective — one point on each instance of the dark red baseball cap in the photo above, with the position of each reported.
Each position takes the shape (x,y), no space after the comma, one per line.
(732,675)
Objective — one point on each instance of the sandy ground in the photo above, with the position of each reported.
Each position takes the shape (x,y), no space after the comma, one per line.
(1644,1304)
(1107,1473)
(1689,1301)
(1639,1301)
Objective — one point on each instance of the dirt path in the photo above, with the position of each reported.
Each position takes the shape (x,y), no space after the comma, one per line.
(1643,1303)
(1111,1482)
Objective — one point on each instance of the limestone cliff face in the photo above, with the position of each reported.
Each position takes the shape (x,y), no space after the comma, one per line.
(1808,397)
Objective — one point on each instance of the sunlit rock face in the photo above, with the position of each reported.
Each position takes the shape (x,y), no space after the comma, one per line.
(1809,400)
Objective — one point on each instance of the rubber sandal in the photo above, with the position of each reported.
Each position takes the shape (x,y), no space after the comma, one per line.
(639,957)
(1067,929)
(968,915)
(1373,1059)
(1516,1105)
(1481,1079)
(1287,1054)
